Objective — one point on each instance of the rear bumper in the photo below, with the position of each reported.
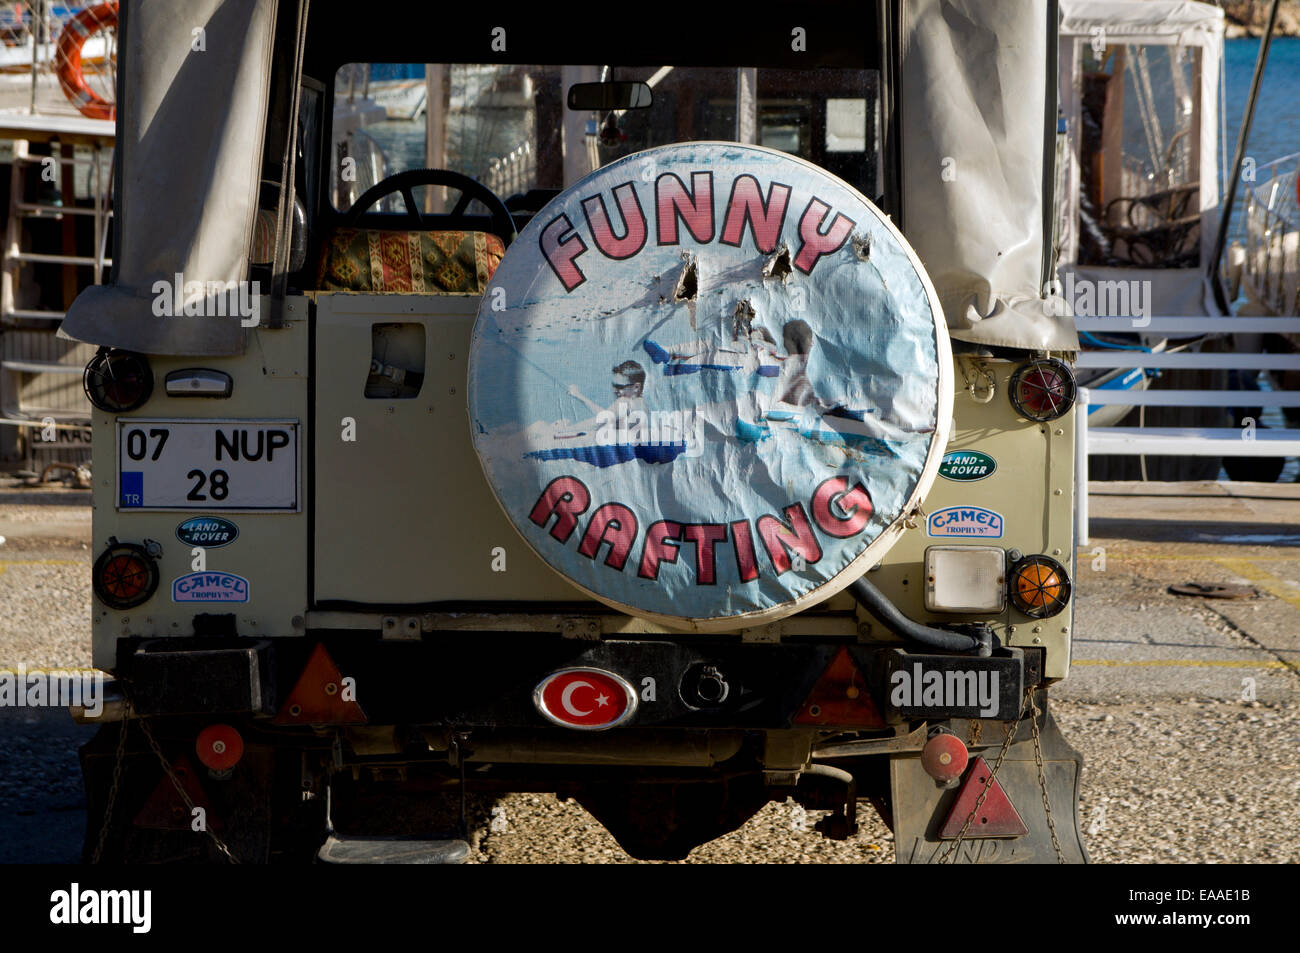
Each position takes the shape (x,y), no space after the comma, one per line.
(485,681)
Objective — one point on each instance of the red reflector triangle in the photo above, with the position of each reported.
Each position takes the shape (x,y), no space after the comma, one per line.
(840,697)
(166,811)
(318,699)
(997,816)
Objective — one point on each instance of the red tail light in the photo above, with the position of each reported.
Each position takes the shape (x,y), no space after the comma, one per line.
(124,575)
(944,757)
(219,747)
(117,381)
(1043,389)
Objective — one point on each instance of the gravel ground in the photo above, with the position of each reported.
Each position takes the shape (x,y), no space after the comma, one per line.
(1197,781)
(44,577)
(45,592)
(1204,780)
(540,829)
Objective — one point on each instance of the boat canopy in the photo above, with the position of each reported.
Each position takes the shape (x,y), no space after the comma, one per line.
(976,113)
(1162,22)
(1142,146)
(193,92)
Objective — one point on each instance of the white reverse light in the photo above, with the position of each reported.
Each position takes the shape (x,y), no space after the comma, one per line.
(965,579)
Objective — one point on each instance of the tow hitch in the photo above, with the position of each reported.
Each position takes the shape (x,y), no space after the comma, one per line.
(825,788)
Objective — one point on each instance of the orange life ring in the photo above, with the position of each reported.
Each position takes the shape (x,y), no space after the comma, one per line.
(68,60)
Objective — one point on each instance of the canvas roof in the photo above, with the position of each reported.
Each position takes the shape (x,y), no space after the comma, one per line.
(977,97)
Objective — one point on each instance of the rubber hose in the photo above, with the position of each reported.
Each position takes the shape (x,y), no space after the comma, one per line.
(875,602)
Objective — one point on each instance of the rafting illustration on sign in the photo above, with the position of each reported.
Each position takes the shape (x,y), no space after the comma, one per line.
(771,389)
(620,433)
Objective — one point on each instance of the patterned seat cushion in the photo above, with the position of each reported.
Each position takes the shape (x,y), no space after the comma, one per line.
(387,262)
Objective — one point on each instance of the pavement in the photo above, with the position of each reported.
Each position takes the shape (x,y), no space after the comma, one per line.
(44,514)
(1136,640)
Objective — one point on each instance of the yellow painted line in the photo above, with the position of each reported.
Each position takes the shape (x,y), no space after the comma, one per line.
(6,563)
(1263,578)
(1085,553)
(1176,663)
(43,562)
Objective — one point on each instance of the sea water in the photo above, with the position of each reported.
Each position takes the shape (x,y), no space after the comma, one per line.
(1275,132)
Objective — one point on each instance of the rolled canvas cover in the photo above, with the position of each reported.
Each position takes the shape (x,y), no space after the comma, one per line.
(978,111)
(193,81)
(707,384)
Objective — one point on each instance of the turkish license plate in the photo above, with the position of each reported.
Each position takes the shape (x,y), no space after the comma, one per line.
(208,465)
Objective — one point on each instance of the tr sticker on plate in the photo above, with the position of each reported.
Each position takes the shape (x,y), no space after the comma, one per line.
(208,464)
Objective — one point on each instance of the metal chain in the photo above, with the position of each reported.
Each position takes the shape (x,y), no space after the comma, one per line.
(117,783)
(955,843)
(1042,782)
(180,789)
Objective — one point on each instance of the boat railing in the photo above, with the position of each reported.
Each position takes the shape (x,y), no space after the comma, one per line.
(1272,236)
(1247,440)
(59,154)
(514,172)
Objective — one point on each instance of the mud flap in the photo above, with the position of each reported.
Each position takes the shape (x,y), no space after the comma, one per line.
(150,823)
(920,805)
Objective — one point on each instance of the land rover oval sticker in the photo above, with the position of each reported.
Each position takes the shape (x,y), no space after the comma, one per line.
(706,381)
(967,466)
(207,531)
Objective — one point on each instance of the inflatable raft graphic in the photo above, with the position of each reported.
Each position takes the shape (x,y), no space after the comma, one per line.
(707,384)
(621,433)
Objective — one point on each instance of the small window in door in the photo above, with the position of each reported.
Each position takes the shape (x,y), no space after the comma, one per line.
(396,361)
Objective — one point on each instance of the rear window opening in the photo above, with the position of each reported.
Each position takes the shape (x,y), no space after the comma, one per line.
(509,126)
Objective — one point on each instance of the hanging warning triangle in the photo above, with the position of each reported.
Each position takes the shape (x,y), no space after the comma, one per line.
(166,811)
(320,697)
(997,816)
(840,697)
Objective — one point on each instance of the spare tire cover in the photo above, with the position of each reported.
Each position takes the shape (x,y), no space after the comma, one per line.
(708,383)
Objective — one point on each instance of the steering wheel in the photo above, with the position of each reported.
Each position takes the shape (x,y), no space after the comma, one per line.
(502,224)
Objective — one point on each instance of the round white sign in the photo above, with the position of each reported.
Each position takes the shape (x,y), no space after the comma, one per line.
(708,382)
